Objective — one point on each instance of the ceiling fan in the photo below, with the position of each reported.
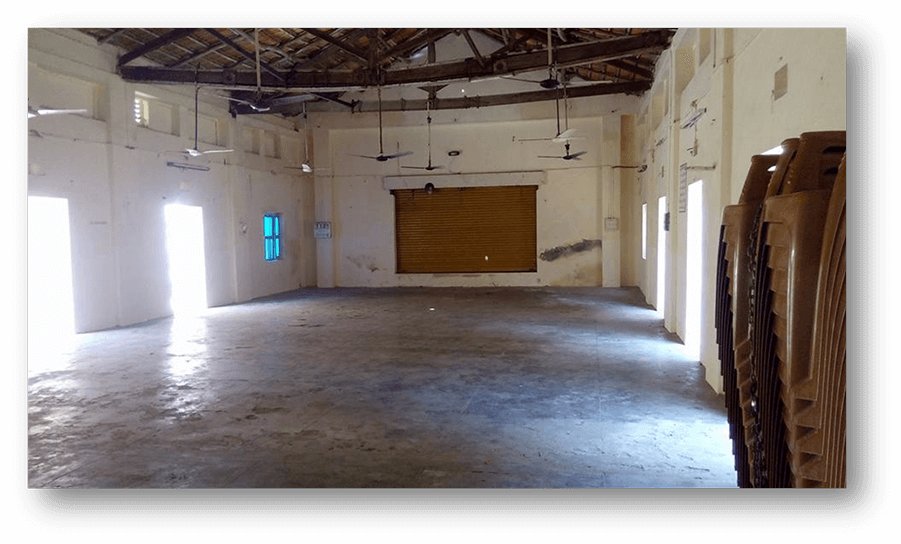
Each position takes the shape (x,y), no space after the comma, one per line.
(256,101)
(560,135)
(195,152)
(428,168)
(260,104)
(551,82)
(256,104)
(381,157)
(567,157)
(306,166)
(38,112)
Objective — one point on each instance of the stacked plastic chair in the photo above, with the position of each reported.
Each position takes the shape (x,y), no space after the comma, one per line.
(732,308)
(780,317)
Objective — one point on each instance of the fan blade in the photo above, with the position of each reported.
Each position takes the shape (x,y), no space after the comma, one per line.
(566,135)
(577,154)
(398,155)
(293,99)
(50,111)
(305,167)
(57,112)
(424,167)
(535,139)
(198,153)
(255,107)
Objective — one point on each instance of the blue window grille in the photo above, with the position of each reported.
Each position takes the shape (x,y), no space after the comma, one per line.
(272,236)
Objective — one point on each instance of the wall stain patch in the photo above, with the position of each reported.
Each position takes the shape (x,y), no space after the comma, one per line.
(564,251)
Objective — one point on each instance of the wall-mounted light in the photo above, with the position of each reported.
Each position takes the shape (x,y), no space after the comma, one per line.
(429,187)
(453,153)
(185,166)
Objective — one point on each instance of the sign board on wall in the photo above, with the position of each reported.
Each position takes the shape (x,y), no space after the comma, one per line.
(322,229)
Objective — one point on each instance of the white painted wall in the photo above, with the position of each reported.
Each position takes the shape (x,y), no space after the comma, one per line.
(115,176)
(573,200)
(735,83)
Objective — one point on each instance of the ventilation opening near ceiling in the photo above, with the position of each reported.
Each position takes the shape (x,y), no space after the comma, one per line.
(780,83)
(704,39)
(151,112)
(252,140)
(684,67)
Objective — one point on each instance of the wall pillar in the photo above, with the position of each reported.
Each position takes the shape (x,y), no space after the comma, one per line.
(323,189)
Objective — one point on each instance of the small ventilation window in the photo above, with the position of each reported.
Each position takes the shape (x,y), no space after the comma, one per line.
(780,82)
(142,111)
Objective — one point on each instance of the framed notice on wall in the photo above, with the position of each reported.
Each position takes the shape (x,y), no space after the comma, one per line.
(322,229)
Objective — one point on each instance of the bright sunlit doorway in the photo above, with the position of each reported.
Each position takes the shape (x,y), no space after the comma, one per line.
(51,307)
(185,251)
(693,269)
(661,254)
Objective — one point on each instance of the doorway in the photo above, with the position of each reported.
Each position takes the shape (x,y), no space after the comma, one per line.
(51,306)
(185,251)
(694,268)
(661,254)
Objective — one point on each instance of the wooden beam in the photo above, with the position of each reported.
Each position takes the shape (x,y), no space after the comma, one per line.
(567,55)
(508,47)
(408,46)
(328,51)
(429,74)
(111,35)
(359,54)
(472,46)
(506,99)
(249,56)
(631,68)
(154,44)
(198,55)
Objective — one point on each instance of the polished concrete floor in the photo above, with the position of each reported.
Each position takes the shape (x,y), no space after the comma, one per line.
(407,387)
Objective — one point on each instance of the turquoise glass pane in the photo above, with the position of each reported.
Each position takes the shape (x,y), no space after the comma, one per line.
(267,225)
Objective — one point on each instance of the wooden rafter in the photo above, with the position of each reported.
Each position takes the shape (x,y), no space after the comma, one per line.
(348,48)
(565,56)
(155,44)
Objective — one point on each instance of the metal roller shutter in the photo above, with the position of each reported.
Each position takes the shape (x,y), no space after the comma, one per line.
(466,229)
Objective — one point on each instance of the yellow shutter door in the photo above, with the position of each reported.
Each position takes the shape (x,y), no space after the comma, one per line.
(466,229)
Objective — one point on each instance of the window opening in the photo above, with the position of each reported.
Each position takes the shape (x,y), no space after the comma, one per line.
(272,236)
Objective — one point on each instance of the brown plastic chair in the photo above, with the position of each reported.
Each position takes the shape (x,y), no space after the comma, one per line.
(789,244)
(732,309)
(818,422)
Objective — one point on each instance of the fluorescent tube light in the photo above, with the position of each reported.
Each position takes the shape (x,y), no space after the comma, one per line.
(186,166)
